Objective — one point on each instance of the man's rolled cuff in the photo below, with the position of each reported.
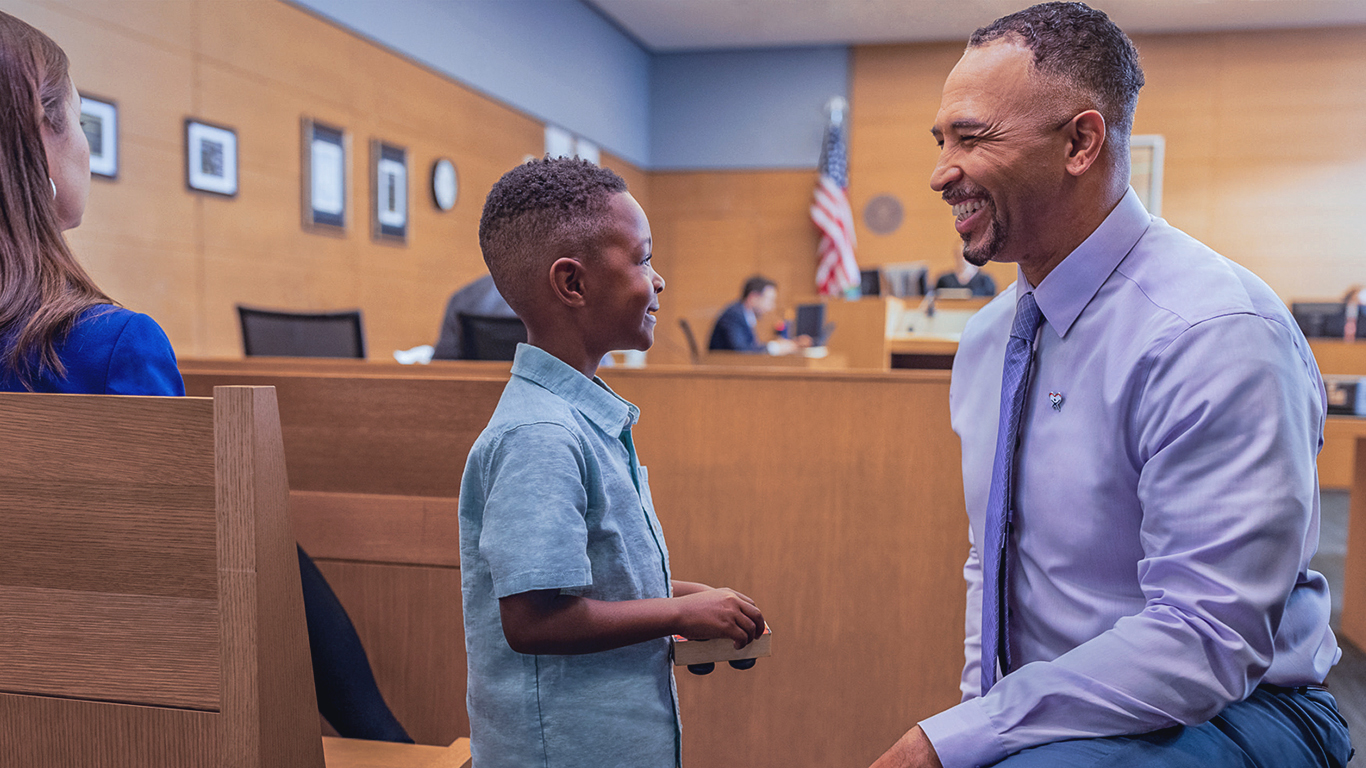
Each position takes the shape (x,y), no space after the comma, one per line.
(963,736)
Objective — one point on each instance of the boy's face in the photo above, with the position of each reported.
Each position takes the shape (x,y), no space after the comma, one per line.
(624,307)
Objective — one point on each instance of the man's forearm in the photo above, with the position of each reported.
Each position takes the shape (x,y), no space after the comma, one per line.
(913,750)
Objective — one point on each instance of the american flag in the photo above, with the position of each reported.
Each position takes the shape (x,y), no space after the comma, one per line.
(838,270)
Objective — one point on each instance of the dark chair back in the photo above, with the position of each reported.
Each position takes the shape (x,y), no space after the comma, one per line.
(693,351)
(275,333)
(1320,319)
(490,338)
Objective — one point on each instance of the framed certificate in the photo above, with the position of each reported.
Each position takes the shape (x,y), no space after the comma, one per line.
(323,177)
(389,198)
(1146,155)
(100,123)
(210,158)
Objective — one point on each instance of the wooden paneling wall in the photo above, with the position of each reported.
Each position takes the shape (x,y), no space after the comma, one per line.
(1245,172)
(1242,171)
(259,66)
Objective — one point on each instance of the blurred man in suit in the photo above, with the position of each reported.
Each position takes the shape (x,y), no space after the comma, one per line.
(480,297)
(735,328)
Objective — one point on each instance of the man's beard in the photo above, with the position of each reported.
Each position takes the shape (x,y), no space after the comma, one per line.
(995,238)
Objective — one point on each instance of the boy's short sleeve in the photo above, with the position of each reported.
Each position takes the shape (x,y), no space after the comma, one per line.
(533,534)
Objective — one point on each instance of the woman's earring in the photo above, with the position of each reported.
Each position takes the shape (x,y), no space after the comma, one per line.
(54,187)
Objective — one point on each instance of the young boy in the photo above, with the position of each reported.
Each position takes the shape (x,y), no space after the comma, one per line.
(567,594)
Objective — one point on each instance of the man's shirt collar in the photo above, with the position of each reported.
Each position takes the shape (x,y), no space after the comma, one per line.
(1076,280)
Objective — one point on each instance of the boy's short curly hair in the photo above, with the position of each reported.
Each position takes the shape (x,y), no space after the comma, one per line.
(538,212)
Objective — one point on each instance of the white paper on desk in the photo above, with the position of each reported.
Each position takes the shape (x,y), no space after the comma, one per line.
(328,177)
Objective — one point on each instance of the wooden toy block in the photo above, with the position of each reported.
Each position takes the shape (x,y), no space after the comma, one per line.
(692,652)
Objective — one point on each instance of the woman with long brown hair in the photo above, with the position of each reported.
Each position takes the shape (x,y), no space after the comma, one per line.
(58,331)
(61,333)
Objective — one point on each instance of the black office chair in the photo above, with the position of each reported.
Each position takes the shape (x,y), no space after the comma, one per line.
(1323,319)
(490,338)
(693,351)
(275,333)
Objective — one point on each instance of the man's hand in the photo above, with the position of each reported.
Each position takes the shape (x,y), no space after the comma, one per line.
(911,751)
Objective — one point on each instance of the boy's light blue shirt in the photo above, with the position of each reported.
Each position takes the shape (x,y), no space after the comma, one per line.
(553,498)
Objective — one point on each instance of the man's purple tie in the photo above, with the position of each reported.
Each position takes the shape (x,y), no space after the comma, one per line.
(995,565)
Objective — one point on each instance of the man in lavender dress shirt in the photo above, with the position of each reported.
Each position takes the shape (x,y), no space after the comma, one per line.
(1160,609)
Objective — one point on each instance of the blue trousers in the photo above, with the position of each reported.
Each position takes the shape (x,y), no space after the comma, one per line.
(1272,728)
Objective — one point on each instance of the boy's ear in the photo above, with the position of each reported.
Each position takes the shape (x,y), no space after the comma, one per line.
(566,280)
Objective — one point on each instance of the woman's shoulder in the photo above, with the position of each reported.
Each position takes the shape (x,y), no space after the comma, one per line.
(109,320)
(113,350)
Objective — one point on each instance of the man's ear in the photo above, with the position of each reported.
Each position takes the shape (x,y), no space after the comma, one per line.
(566,281)
(1085,138)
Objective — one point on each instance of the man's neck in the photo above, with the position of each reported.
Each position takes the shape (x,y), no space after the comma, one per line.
(1086,220)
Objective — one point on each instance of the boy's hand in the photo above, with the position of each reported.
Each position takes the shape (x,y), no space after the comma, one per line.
(717,613)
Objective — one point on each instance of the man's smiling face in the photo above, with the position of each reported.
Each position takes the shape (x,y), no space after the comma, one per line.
(1002,156)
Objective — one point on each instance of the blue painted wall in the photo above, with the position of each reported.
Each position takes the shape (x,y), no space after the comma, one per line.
(557,60)
(563,63)
(761,108)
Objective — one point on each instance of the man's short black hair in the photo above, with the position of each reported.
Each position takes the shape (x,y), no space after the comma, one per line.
(1083,47)
(755,284)
(538,212)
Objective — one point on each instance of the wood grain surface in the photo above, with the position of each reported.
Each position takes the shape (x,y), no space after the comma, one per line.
(409,437)
(108,584)
(45,732)
(367,527)
(268,693)
(409,620)
(170,630)
(356,753)
(1353,619)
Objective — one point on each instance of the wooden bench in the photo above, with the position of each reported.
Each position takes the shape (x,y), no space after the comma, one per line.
(832,498)
(149,591)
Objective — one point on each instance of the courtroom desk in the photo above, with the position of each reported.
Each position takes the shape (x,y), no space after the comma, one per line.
(1353,619)
(1338,457)
(872,333)
(861,329)
(924,351)
(832,498)
(1335,356)
(342,365)
(751,360)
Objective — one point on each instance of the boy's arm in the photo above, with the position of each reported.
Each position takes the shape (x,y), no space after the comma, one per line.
(549,622)
(683,588)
